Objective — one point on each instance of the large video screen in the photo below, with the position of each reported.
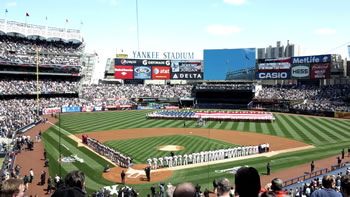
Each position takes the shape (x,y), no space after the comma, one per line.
(217,62)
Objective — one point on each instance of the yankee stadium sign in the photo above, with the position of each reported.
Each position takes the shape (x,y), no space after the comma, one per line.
(163,55)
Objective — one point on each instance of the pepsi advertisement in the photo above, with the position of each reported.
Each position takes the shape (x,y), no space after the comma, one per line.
(142,72)
(71,109)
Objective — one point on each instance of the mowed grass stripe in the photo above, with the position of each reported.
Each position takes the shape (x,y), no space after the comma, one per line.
(301,129)
(321,128)
(304,122)
(336,127)
(287,129)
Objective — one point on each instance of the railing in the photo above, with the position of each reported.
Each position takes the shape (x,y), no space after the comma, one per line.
(304,177)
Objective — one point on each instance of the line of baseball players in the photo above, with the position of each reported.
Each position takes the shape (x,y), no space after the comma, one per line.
(206,156)
(110,153)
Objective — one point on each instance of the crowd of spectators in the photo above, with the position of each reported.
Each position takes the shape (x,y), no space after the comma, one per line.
(311,98)
(91,92)
(21,87)
(22,50)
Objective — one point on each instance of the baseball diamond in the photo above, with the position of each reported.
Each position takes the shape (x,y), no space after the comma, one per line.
(126,130)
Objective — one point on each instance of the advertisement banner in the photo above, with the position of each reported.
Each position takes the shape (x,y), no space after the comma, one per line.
(156,62)
(71,109)
(160,72)
(300,71)
(342,115)
(311,59)
(141,62)
(278,64)
(124,61)
(51,110)
(99,108)
(142,72)
(117,106)
(320,71)
(87,108)
(187,76)
(272,75)
(147,107)
(186,66)
(124,72)
(172,107)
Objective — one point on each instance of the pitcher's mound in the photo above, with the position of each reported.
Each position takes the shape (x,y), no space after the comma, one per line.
(170,148)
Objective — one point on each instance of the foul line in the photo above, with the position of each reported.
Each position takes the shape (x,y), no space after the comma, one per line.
(79,144)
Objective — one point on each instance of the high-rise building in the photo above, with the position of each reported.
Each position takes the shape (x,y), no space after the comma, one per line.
(280,51)
(349,50)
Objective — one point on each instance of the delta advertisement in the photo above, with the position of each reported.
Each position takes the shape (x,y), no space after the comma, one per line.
(71,109)
(124,72)
(186,66)
(142,72)
(160,72)
(278,64)
(300,71)
(187,75)
(320,71)
(272,75)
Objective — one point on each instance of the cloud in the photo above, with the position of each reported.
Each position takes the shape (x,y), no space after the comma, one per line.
(113,2)
(222,29)
(325,31)
(11,4)
(235,2)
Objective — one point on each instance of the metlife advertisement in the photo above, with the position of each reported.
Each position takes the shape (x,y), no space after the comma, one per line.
(311,59)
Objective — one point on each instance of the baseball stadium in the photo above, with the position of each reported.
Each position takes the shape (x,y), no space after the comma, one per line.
(151,125)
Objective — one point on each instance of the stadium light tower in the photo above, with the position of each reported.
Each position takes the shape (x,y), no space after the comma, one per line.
(137,25)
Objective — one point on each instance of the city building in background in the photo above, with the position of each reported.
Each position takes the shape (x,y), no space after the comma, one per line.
(289,50)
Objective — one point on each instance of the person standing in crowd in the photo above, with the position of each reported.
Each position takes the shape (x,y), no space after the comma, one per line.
(123,176)
(339,160)
(277,187)
(247,181)
(12,188)
(224,187)
(342,153)
(312,165)
(31,175)
(328,182)
(49,185)
(153,190)
(26,181)
(345,185)
(161,189)
(43,177)
(215,185)
(268,168)
(74,185)
(184,190)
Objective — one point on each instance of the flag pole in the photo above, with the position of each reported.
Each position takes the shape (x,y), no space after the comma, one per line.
(37,80)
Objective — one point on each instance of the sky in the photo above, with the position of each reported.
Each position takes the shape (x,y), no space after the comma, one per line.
(319,26)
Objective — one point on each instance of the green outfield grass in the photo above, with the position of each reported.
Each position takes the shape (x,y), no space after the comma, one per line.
(142,149)
(328,135)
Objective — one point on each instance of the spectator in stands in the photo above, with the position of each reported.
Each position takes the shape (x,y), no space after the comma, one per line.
(328,183)
(247,181)
(184,190)
(277,186)
(74,185)
(12,188)
(345,185)
(224,187)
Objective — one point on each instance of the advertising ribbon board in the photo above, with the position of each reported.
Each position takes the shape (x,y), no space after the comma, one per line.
(272,75)
(71,109)
(300,71)
(187,75)
(51,110)
(142,72)
(342,115)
